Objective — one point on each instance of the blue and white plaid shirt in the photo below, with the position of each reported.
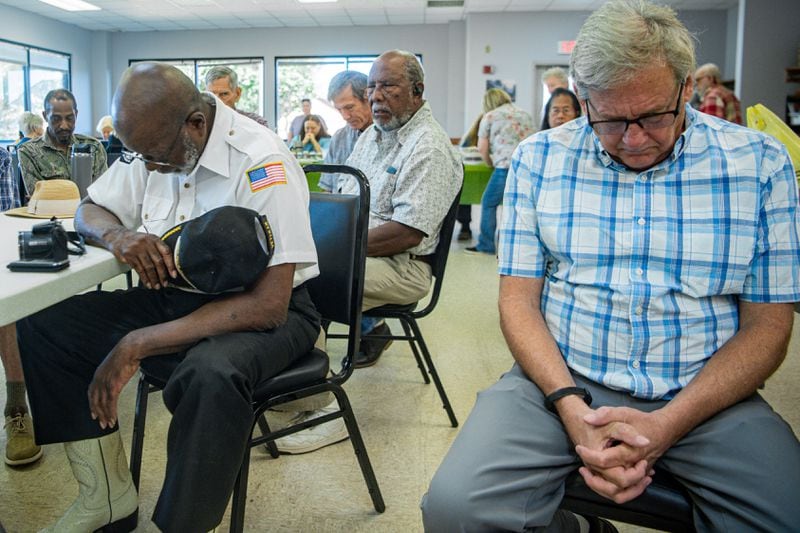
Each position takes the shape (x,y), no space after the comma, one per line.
(8,186)
(643,270)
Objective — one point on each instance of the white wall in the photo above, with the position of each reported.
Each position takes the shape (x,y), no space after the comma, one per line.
(769,40)
(432,41)
(31,29)
(519,41)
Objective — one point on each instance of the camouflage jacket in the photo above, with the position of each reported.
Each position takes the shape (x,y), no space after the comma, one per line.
(41,160)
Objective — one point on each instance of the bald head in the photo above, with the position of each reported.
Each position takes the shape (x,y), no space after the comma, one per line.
(156,95)
(158,112)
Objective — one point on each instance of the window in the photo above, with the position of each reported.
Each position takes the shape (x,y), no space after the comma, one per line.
(308,77)
(250,72)
(27,74)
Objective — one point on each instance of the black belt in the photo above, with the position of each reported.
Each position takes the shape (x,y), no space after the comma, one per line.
(424,258)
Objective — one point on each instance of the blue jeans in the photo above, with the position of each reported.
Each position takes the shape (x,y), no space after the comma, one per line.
(492,197)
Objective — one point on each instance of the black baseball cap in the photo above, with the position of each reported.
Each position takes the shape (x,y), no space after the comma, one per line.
(226,248)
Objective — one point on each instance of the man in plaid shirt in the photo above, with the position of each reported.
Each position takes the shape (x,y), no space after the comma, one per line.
(649,259)
(715,98)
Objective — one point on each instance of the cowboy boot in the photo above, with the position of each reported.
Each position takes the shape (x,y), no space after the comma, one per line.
(107,499)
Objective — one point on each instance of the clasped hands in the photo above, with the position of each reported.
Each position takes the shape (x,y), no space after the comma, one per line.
(618,447)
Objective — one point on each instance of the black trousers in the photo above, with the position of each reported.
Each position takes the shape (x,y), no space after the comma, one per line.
(209,386)
(464,215)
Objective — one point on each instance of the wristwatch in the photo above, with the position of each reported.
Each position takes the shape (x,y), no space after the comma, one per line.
(551,399)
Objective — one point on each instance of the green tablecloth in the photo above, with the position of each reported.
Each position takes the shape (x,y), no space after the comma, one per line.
(475,179)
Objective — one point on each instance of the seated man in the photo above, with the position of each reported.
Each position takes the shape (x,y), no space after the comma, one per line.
(649,258)
(414,173)
(213,350)
(348,93)
(48,157)
(715,98)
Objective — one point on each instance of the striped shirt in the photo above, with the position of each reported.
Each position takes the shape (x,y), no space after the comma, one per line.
(643,270)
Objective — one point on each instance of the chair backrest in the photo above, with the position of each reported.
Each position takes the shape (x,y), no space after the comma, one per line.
(440,256)
(339,224)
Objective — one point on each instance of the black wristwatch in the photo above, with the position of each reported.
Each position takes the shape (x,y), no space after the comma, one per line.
(551,399)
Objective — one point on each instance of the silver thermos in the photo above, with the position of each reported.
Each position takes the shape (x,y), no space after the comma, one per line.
(82,160)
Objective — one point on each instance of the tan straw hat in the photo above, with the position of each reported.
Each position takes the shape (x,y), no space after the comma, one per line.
(51,198)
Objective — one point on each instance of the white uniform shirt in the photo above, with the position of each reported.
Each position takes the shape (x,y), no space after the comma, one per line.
(152,202)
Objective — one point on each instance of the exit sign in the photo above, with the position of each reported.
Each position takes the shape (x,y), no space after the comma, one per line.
(565,47)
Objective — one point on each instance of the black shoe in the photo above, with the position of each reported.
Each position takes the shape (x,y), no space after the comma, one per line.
(465,234)
(474,251)
(599,525)
(371,349)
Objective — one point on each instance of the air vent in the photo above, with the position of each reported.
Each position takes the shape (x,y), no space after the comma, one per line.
(445,3)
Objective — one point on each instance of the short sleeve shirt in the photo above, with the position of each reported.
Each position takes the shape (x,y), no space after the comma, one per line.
(643,270)
(505,127)
(243,164)
(414,174)
(39,160)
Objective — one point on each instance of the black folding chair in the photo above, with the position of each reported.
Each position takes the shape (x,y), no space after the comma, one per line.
(409,314)
(665,505)
(339,225)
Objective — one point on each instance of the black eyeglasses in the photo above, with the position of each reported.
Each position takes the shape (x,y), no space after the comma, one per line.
(128,156)
(653,121)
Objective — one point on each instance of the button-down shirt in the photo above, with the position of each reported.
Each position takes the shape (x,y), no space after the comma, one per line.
(414,173)
(341,146)
(643,270)
(153,202)
(504,127)
(40,159)
(722,103)
(8,185)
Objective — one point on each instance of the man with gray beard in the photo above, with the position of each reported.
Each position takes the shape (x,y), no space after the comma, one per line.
(414,174)
(212,349)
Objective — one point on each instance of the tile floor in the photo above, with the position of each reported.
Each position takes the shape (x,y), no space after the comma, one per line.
(403,425)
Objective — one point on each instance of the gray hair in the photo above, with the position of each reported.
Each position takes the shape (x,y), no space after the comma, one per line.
(30,122)
(414,72)
(709,69)
(218,72)
(348,78)
(556,72)
(624,37)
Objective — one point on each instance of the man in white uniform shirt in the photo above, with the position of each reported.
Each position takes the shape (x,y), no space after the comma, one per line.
(211,349)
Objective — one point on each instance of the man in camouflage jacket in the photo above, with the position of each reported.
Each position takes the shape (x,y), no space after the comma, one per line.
(48,157)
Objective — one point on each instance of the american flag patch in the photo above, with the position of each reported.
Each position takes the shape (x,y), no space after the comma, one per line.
(266,176)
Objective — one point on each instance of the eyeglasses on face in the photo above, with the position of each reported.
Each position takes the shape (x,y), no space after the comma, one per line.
(652,121)
(128,156)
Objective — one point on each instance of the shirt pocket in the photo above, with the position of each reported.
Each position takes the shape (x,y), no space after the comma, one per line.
(155,208)
(716,257)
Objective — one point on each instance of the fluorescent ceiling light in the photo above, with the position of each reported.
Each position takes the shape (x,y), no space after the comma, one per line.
(316,1)
(72,5)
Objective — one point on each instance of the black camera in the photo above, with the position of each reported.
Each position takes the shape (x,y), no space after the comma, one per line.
(43,248)
(47,240)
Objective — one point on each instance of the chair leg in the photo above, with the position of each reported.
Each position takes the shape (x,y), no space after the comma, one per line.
(360,450)
(413,345)
(434,374)
(239,501)
(271,447)
(137,441)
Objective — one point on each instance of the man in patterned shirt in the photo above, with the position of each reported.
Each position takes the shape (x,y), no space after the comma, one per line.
(649,258)
(414,174)
(715,98)
(48,157)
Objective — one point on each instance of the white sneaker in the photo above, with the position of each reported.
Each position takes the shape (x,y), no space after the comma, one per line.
(315,437)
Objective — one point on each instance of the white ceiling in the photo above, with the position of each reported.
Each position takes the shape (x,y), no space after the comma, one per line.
(148,15)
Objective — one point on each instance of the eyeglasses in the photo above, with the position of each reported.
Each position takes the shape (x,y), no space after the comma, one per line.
(384,88)
(653,121)
(128,156)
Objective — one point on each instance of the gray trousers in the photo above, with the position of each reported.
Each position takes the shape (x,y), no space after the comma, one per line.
(506,468)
